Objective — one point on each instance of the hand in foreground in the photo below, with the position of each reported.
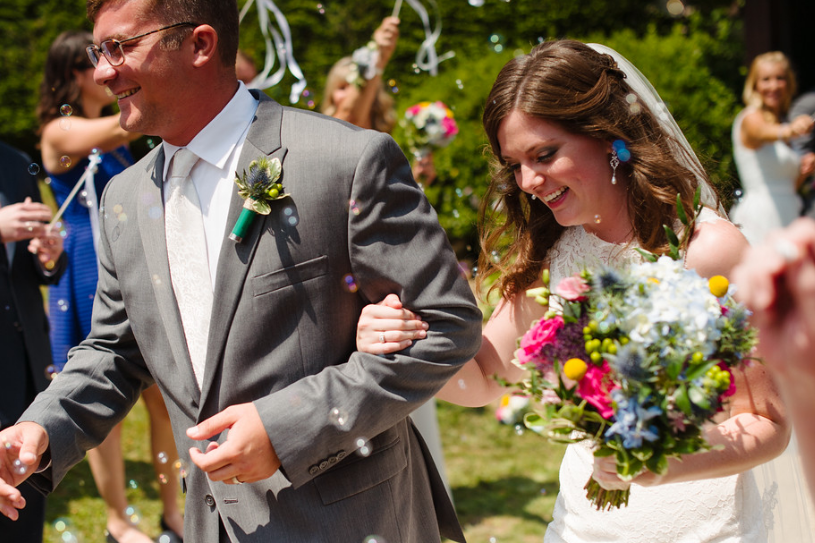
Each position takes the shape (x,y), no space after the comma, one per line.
(23,220)
(21,448)
(247,455)
(47,247)
(776,280)
(387,327)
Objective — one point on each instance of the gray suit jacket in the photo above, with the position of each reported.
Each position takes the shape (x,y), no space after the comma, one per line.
(282,335)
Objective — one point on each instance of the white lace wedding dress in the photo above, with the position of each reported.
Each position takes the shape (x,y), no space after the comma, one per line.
(722,510)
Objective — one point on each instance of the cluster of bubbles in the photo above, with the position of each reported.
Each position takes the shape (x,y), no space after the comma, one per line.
(51,372)
(289,216)
(496,42)
(308,96)
(633,103)
(392,86)
(374,539)
(353,207)
(64,528)
(598,219)
(119,213)
(363,447)
(338,417)
(349,283)
(459,84)
(133,515)
(63,305)
(320,9)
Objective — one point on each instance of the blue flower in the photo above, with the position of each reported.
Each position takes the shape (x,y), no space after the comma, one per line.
(629,362)
(631,424)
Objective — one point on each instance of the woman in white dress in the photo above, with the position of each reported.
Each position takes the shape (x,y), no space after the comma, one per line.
(567,198)
(771,172)
(769,169)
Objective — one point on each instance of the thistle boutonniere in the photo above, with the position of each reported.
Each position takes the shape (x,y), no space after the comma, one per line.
(259,187)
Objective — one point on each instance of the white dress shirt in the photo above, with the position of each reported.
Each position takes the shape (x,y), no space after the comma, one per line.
(218,147)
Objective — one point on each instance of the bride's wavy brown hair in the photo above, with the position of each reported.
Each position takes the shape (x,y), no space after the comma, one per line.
(568,83)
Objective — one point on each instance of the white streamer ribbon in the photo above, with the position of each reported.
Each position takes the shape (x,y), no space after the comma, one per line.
(426,57)
(282,46)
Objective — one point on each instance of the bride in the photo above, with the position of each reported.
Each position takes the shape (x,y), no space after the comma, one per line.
(588,165)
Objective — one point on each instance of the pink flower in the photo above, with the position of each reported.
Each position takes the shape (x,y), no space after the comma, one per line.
(450,127)
(413,110)
(572,288)
(541,334)
(596,387)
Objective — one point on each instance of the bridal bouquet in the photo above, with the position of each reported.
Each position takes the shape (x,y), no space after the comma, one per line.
(636,360)
(428,125)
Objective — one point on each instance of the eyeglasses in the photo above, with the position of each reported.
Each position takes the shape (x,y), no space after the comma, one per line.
(112,49)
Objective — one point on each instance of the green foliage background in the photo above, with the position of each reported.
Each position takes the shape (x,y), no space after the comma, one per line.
(693,60)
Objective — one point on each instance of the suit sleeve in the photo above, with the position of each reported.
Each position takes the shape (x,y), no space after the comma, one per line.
(395,246)
(99,385)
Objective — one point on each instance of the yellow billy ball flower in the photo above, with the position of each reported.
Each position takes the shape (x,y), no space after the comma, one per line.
(574,369)
(718,285)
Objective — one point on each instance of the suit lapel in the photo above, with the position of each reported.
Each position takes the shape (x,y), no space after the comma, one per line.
(263,139)
(155,249)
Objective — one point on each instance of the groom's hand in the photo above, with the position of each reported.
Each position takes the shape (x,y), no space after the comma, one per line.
(247,454)
(21,448)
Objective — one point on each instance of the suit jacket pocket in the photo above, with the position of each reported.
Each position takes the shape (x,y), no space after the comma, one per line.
(359,474)
(269,282)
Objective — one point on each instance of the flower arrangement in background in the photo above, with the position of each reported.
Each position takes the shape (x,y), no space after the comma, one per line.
(428,126)
(636,360)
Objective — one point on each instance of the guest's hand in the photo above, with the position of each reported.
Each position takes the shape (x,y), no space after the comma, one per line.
(387,327)
(386,37)
(808,164)
(776,280)
(21,449)
(802,124)
(48,247)
(24,220)
(247,454)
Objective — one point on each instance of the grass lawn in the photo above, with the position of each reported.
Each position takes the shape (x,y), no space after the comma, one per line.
(504,484)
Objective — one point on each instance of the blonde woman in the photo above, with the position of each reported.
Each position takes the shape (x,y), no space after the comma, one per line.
(769,169)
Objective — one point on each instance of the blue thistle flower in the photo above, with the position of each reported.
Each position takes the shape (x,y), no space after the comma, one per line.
(631,424)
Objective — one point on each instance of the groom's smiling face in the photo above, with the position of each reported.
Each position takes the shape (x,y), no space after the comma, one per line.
(150,83)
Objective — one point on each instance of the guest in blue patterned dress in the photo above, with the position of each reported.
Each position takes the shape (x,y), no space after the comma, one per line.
(77,122)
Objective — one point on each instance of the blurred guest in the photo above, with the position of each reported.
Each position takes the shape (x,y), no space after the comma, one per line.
(354,91)
(245,68)
(777,281)
(769,169)
(23,325)
(805,145)
(76,118)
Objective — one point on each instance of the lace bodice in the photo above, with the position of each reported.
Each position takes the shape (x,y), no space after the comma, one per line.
(719,510)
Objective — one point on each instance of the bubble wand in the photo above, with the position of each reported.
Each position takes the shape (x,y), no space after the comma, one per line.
(93,160)
(397,8)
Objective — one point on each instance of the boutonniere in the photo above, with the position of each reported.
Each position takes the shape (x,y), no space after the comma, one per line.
(259,188)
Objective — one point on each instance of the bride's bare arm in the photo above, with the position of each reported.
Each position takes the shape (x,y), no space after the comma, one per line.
(474,385)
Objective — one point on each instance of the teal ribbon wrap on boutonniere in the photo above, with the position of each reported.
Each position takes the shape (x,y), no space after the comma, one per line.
(259,188)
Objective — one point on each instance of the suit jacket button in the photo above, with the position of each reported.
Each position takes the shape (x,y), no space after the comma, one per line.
(332,460)
(209,500)
(323,464)
(313,470)
(340,455)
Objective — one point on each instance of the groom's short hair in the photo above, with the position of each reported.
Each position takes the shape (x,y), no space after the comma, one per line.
(222,15)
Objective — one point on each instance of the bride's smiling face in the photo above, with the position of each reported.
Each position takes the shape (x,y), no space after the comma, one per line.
(570,173)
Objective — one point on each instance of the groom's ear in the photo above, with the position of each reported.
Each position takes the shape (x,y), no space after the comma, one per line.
(205,45)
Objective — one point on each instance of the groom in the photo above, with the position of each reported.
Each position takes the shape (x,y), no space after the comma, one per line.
(273,394)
